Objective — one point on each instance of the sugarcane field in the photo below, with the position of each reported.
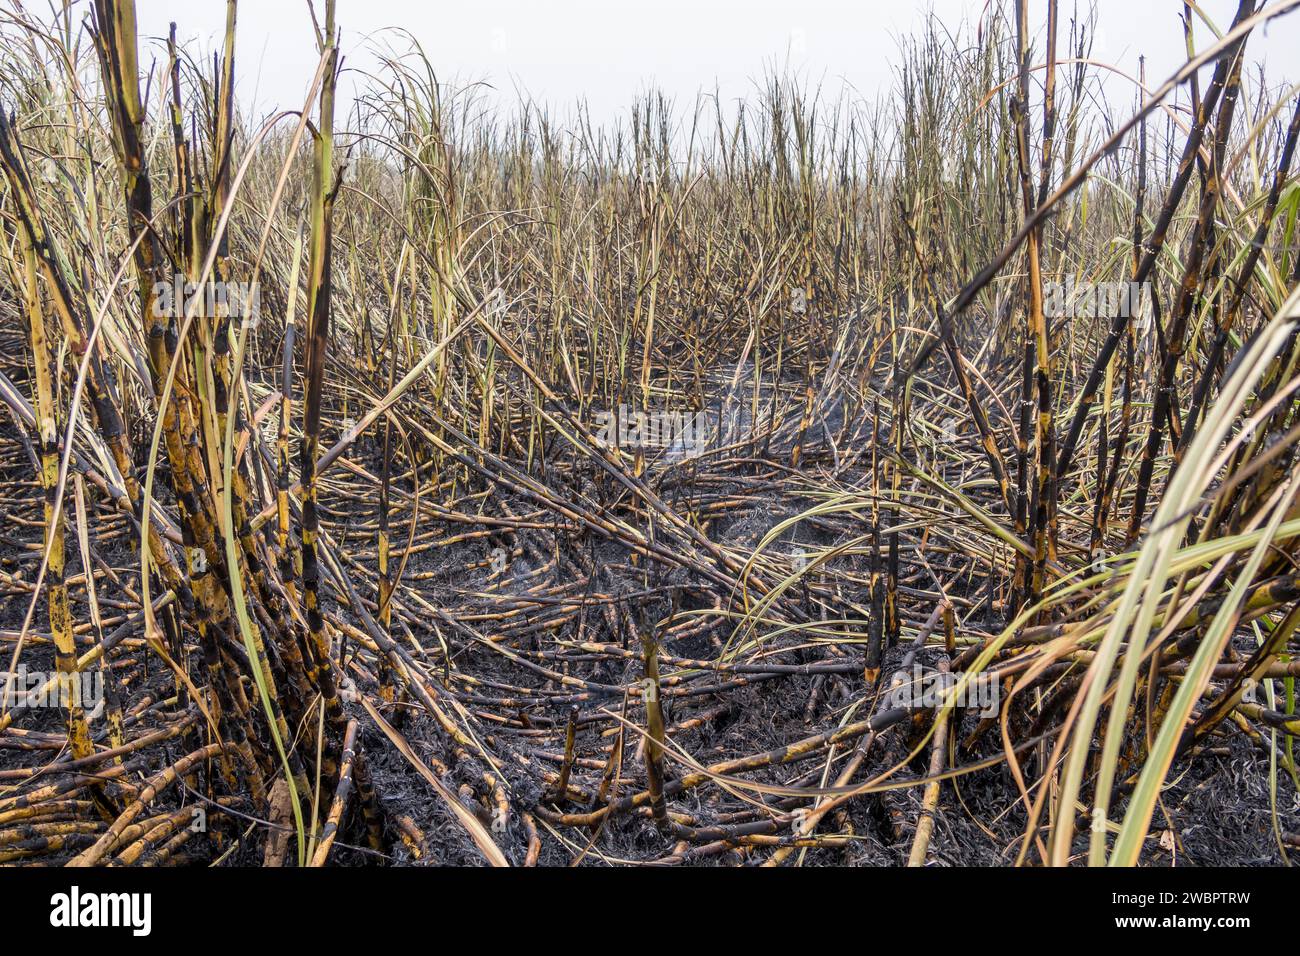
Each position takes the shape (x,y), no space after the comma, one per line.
(422,447)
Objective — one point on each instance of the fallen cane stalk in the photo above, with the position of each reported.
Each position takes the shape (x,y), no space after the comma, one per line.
(930,796)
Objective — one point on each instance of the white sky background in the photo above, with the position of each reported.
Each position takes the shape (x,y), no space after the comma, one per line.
(606,52)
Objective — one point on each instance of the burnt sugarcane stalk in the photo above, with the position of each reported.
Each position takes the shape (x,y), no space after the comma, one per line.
(288,571)
(876,586)
(570,741)
(116,43)
(1228,315)
(1153,246)
(654,716)
(1164,410)
(65,647)
(1037,352)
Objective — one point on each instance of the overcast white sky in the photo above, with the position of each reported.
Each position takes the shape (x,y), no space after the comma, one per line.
(607,52)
